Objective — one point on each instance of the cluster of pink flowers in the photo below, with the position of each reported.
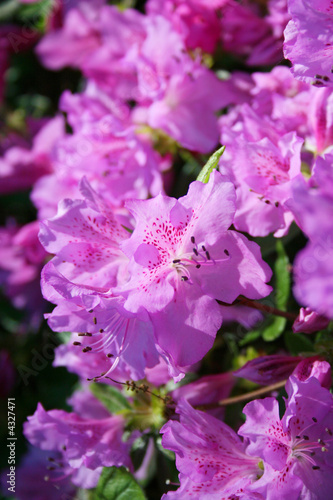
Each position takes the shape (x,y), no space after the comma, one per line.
(144,276)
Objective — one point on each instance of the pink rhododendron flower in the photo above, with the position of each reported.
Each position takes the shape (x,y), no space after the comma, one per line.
(309,39)
(84,443)
(269,369)
(20,166)
(210,456)
(312,205)
(196,21)
(309,322)
(176,250)
(40,475)
(22,259)
(105,147)
(257,43)
(206,390)
(313,367)
(296,451)
(262,162)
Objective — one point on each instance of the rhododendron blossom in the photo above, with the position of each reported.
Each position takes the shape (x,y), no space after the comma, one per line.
(297,450)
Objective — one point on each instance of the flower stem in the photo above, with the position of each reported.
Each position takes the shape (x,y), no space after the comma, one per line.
(263,308)
(243,397)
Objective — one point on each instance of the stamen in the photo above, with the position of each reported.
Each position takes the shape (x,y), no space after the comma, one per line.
(76,343)
(315,467)
(86,349)
(184,278)
(176,261)
(328,431)
(195,251)
(314,419)
(198,266)
(207,255)
(109,355)
(203,248)
(192,239)
(306,438)
(101,330)
(95,321)
(226,252)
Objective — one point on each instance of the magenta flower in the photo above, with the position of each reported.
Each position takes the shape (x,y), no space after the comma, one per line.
(176,252)
(308,41)
(309,321)
(210,456)
(22,257)
(179,246)
(84,443)
(312,205)
(296,451)
(23,163)
(266,370)
(262,161)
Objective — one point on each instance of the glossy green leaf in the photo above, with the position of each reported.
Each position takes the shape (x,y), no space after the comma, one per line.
(282,291)
(117,484)
(211,164)
(110,397)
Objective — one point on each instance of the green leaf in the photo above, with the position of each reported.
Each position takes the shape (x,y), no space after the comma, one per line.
(282,277)
(274,330)
(249,337)
(8,9)
(117,484)
(110,397)
(210,165)
(282,291)
(297,343)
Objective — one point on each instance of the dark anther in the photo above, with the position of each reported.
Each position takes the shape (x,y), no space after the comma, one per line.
(318,83)
(298,437)
(276,204)
(226,252)
(184,278)
(207,255)
(176,261)
(319,77)
(101,330)
(86,349)
(314,419)
(76,343)
(109,355)
(95,321)
(328,431)
(195,251)
(306,437)
(81,334)
(320,441)
(315,467)
(325,78)
(50,459)
(267,202)
(49,467)
(90,311)
(193,239)
(312,453)
(198,266)
(203,248)
(88,334)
